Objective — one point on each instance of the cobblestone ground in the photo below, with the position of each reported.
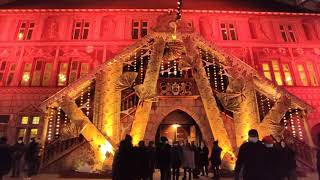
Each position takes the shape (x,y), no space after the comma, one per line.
(157,177)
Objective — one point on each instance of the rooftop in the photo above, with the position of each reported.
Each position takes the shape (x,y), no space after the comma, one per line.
(235,5)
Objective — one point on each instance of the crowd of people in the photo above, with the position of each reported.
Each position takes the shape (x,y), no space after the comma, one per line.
(257,160)
(15,158)
(140,162)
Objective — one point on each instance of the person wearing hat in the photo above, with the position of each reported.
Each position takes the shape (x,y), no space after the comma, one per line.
(250,158)
(271,159)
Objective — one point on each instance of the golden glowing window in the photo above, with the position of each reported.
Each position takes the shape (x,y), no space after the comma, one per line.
(33,133)
(277,73)
(302,75)
(62,76)
(84,69)
(24,120)
(25,79)
(287,74)
(21,133)
(313,77)
(35,120)
(266,71)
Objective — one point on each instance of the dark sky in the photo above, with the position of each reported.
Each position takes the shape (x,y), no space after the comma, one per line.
(249,5)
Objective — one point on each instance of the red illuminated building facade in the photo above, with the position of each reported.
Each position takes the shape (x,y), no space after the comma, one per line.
(43,48)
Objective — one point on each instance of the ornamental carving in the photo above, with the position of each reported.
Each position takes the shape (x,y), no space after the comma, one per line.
(51,29)
(175,88)
(206,27)
(164,24)
(108,27)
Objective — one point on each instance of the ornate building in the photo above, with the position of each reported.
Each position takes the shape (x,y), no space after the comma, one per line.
(104,69)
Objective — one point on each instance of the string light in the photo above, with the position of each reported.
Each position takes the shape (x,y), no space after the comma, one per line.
(58,121)
(141,66)
(221,77)
(175,67)
(179,10)
(298,124)
(208,68)
(135,62)
(88,101)
(50,124)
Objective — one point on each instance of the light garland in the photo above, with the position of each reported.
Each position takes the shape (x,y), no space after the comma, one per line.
(298,122)
(88,101)
(135,62)
(179,10)
(50,124)
(141,66)
(58,121)
(208,68)
(221,78)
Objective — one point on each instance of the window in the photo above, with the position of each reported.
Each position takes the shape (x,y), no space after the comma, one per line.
(21,133)
(35,120)
(2,69)
(62,76)
(25,30)
(41,74)
(287,33)
(302,75)
(33,133)
(287,74)
(80,29)
(277,73)
(139,29)
(11,74)
(25,80)
(24,120)
(266,71)
(4,119)
(313,78)
(228,31)
(70,73)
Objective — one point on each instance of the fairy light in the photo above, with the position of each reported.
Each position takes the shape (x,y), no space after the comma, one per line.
(175,67)
(141,66)
(221,77)
(285,121)
(58,121)
(50,124)
(162,67)
(88,101)
(293,128)
(208,68)
(178,17)
(168,67)
(65,119)
(81,97)
(215,77)
(135,62)
(268,104)
(262,104)
(299,124)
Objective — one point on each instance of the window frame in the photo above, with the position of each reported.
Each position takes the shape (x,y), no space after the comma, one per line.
(228,30)
(69,70)
(26,30)
(81,29)
(29,126)
(139,28)
(303,65)
(289,32)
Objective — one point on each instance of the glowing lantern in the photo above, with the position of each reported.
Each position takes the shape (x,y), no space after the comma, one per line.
(20,36)
(26,77)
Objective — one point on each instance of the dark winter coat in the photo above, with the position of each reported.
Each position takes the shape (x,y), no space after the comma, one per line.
(151,152)
(163,156)
(204,156)
(32,152)
(250,158)
(141,162)
(5,159)
(287,161)
(270,166)
(18,151)
(216,156)
(126,161)
(176,157)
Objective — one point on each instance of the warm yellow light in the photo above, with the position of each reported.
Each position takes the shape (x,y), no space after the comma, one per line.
(62,77)
(174,37)
(175,126)
(26,77)
(20,36)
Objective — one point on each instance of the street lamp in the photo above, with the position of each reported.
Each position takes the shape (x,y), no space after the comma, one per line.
(175,127)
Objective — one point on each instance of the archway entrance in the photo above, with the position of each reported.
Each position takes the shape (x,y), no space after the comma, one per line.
(179,126)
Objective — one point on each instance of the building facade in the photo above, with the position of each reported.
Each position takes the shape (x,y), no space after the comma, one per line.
(44,50)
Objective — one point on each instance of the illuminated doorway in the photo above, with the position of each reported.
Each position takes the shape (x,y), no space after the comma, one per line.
(179,126)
